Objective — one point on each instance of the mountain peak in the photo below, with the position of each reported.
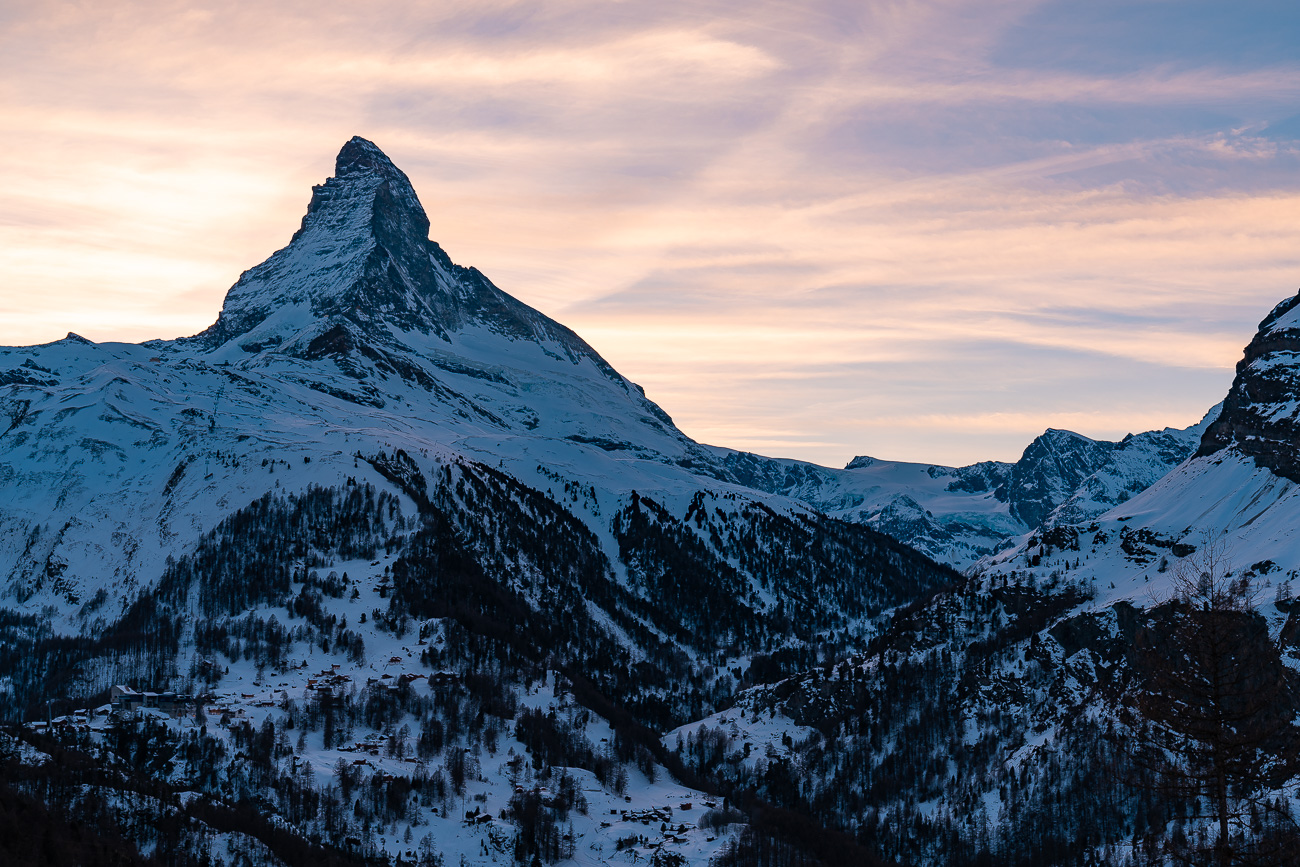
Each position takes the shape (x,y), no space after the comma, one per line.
(361,159)
(359,154)
(361,282)
(363,248)
(367,184)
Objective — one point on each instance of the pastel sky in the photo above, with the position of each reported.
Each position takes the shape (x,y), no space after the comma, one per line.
(916,230)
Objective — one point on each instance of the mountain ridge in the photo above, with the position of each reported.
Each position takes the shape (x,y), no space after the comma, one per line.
(361,306)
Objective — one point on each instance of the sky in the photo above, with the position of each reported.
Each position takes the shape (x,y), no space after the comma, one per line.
(915,230)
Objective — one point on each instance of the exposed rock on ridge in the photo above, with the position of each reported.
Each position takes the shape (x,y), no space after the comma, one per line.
(1261,414)
(1052,468)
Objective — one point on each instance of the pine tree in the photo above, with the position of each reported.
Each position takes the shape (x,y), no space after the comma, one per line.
(1220,703)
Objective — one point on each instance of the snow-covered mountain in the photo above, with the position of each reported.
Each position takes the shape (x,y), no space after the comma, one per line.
(361,355)
(1130,467)
(361,335)
(373,446)
(961,515)
(358,336)
(445,587)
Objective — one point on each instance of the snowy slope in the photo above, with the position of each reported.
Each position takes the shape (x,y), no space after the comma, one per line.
(960,515)
(1237,492)
(609,824)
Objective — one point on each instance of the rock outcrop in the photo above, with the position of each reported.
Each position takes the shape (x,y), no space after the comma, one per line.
(1261,414)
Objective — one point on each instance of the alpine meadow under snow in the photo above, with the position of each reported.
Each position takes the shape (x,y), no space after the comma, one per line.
(387,567)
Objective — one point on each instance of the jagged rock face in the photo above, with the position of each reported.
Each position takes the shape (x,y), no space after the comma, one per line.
(1135,463)
(1261,414)
(981,477)
(1050,470)
(362,247)
(905,518)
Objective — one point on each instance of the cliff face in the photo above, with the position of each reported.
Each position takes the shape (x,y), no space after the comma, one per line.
(1050,470)
(1261,414)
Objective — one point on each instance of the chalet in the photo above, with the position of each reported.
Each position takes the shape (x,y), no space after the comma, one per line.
(474,817)
(328,676)
(125,698)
